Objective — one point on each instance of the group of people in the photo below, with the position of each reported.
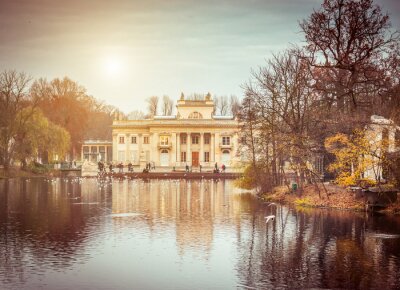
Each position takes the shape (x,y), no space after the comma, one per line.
(149,166)
(120,166)
(217,170)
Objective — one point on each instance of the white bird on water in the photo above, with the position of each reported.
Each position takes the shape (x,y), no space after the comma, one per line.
(269,218)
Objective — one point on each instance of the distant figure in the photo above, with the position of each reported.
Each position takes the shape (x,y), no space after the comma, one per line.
(111,168)
(100,166)
(200,167)
(153,165)
(74,164)
(130,167)
(187,168)
(121,167)
(216,166)
(223,167)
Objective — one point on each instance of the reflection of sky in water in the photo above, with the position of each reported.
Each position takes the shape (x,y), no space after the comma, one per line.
(170,234)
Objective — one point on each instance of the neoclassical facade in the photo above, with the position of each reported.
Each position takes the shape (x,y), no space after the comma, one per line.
(194,137)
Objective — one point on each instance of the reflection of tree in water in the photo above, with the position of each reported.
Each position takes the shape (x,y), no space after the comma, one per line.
(40,227)
(313,248)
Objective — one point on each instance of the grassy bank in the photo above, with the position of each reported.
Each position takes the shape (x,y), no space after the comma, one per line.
(336,197)
(15,172)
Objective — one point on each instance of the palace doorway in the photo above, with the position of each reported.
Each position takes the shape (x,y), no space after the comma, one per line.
(195,159)
(164,158)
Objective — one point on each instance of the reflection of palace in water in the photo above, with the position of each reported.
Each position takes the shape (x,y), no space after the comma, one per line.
(191,207)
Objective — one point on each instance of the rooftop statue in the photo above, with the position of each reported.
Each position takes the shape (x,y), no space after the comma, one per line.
(182,96)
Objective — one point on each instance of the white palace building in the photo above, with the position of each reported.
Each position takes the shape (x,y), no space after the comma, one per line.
(194,137)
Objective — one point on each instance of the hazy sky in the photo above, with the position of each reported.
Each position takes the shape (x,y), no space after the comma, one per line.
(125,51)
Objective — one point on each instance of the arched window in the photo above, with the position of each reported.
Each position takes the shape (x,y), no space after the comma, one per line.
(195,115)
(164,151)
(225,152)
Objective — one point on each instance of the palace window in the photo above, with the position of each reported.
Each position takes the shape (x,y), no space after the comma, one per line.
(133,140)
(146,140)
(206,156)
(163,140)
(195,139)
(183,139)
(86,152)
(206,139)
(121,140)
(183,156)
(226,140)
(195,115)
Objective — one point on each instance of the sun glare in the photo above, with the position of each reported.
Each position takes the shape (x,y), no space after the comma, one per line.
(113,66)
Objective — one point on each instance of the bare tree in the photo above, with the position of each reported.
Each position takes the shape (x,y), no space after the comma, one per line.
(167,105)
(195,97)
(152,105)
(216,105)
(283,102)
(348,41)
(234,105)
(14,97)
(136,115)
(223,105)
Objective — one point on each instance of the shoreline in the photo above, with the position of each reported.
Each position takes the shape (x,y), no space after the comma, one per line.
(18,173)
(336,197)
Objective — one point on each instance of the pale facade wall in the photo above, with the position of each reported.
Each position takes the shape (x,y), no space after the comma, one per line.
(197,131)
(380,129)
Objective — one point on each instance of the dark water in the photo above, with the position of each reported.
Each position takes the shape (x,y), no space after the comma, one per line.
(81,234)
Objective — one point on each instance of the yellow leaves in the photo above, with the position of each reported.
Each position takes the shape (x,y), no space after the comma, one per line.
(354,155)
(39,134)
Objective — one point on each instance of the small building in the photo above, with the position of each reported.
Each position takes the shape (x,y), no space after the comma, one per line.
(193,137)
(384,137)
(97,150)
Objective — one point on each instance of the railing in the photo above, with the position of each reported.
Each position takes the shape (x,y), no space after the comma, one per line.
(164,145)
(225,145)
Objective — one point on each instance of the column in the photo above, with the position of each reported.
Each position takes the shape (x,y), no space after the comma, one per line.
(140,137)
(98,152)
(154,156)
(115,148)
(188,153)
(216,148)
(128,141)
(82,157)
(178,147)
(105,153)
(212,148)
(173,150)
(201,159)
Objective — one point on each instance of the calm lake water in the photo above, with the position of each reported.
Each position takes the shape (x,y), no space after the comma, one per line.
(171,234)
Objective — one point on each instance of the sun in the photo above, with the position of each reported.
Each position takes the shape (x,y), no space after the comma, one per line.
(113,66)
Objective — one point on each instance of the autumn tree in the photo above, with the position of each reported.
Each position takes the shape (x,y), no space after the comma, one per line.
(39,136)
(65,103)
(100,118)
